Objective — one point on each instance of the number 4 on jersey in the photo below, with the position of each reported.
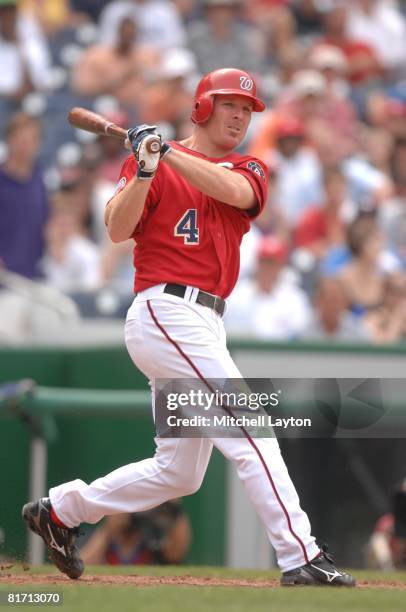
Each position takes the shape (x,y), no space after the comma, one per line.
(187,227)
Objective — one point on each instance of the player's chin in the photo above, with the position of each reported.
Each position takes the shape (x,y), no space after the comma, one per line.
(232,139)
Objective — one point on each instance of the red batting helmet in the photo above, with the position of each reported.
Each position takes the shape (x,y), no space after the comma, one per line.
(224,81)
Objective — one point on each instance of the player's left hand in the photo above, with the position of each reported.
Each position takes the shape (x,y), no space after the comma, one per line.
(139,138)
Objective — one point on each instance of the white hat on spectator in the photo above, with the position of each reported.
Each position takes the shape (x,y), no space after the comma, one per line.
(307,83)
(177,63)
(328,56)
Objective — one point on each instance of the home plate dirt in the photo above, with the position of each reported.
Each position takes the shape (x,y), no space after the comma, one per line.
(150,581)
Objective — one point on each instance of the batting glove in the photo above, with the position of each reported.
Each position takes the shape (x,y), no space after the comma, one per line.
(140,138)
(165,149)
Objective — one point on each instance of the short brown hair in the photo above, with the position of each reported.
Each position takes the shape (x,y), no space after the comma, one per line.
(20,121)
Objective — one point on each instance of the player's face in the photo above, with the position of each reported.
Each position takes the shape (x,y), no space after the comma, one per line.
(229,121)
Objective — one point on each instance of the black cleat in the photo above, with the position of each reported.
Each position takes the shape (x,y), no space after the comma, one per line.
(59,541)
(320,571)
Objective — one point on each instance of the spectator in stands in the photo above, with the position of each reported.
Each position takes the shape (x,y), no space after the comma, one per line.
(52,15)
(381,25)
(75,187)
(328,116)
(25,59)
(378,148)
(187,9)
(288,64)
(322,228)
(71,262)
(392,216)
(386,548)
(396,118)
(116,266)
(168,97)
(387,323)
(270,306)
(23,197)
(398,164)
(387,113)
(368,182)
(331,319)
(368,186)
(298,169)
(317,58)
(363,63)
(154,537)
(307,18)
(108,157)
(112,153)
(248,252)
(333,65)
(273,18)
(119,69)
(263,11)
(363,277)
(222,40)
(158,21)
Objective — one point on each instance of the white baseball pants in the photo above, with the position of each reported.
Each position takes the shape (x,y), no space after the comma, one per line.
(172,337)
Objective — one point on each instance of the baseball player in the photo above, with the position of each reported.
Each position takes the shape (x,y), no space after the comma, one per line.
(187,207)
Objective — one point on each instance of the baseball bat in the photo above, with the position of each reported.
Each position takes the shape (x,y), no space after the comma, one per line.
(92,122)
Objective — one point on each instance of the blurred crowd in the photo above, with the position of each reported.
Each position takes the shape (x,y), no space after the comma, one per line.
(327,258)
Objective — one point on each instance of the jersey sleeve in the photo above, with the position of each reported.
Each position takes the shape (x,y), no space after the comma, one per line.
(256,173)
(128,171)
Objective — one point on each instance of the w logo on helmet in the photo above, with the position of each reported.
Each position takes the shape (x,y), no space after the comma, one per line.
(246,83)
(225,81)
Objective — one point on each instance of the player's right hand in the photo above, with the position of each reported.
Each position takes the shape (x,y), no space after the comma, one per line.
(139,138)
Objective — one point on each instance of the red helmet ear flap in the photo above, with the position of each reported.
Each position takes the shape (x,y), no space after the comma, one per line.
(203,109)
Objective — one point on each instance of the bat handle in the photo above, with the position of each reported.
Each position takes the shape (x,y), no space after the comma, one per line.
(153,146)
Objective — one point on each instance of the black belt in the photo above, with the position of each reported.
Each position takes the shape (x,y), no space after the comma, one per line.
(203,298)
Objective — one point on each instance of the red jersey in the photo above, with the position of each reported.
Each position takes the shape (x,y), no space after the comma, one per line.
(187,237)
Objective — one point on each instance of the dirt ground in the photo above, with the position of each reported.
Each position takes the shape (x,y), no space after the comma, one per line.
(146,581)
